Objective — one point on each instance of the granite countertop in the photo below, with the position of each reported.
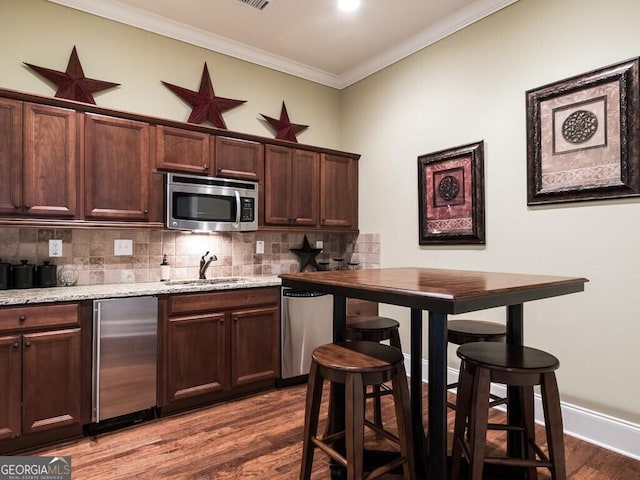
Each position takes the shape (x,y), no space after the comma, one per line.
(90,292)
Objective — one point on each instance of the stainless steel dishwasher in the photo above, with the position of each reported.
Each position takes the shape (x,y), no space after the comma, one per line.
(124,360)
(306,323)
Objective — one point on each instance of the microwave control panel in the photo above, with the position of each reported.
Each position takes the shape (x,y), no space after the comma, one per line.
(246,209)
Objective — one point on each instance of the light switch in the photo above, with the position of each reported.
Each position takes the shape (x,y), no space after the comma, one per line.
(260,246)
(122,247)
(319,244)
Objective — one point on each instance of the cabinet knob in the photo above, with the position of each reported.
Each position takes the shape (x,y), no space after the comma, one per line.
(145,211)
(222,321)
(27,206)
(22,318)
(205,166)
(16,344)
(27,344)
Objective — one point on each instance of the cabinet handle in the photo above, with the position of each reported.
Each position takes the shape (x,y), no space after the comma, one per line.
(27,344)
(205,166)
(145,211)
(235,319)
(219,169)
(22,318)
(16,345)
(27,206)
(222,321)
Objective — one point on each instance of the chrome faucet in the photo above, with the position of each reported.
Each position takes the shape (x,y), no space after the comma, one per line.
(204,264)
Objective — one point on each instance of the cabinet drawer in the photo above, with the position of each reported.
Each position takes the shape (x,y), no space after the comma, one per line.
(53,315)
(210,301)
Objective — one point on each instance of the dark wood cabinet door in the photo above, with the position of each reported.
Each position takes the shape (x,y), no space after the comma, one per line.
(304,198)
(50,165)
(277,185)
(255,345)
(241,159)
(10,386)
(338,191)
(291,187)
(117,170)
(10,157)
(195,363)
(51,380)
(180,150)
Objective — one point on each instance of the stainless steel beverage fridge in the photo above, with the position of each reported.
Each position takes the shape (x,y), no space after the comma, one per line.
(124,357)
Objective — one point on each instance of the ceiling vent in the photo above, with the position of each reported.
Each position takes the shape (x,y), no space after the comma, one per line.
(259,4)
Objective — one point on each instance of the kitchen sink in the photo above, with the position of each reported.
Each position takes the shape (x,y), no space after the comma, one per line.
(209,281)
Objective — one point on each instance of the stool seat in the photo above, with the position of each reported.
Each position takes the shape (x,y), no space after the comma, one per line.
(508,358)
(521,368)
(364,357)
(466,331)
(355,365)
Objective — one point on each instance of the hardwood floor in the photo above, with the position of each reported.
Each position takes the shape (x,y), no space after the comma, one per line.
(258,438)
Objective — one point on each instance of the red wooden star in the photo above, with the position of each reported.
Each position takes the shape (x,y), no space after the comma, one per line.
(72,84)
(206,106)
(285,130)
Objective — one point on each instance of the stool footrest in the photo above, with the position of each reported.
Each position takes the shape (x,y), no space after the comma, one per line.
(382,431)
(322,445)
(516,462)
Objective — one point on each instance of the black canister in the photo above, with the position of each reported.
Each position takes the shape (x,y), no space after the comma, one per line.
(46,275)
(5,274)
(22,275)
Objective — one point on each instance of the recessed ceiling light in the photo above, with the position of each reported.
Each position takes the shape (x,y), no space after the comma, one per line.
(348,5)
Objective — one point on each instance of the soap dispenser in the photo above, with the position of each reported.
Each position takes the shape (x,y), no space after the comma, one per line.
(165,268)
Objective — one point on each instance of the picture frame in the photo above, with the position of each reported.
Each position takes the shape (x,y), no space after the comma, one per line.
(451,196)
(582,137)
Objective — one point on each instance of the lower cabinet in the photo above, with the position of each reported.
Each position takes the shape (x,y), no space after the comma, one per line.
(216,345)
(40,375)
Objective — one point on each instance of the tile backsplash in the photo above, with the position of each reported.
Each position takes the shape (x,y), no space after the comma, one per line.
(91,252)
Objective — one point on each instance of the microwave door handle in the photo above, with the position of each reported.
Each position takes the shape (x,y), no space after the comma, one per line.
(237,209)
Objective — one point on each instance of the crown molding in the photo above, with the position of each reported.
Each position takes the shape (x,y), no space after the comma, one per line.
(135,17)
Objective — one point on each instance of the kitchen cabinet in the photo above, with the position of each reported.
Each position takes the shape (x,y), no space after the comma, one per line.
(182,150)
(338,191)
(291,186)
(40,371)
(240,159)
(117,171)
(215,345)
(38,160)
(10,156)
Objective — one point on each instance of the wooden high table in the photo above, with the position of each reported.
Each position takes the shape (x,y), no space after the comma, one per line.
(440,292)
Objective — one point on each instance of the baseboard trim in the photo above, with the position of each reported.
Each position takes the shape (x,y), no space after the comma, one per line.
(597,428)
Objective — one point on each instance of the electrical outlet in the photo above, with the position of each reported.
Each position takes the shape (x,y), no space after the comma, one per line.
(122,247)
(319,244)
(55,248)
(259,246)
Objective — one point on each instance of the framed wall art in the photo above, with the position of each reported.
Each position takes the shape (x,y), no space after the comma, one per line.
(582,137)
(451,195)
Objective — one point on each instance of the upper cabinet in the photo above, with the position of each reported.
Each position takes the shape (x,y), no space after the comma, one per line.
(181,150)
(38,160)
(291,186)
(10,156)
(240,159)
(338,191)
(69,163)
(117,171)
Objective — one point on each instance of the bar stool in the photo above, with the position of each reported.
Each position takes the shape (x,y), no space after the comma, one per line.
(372,328)
(516,366)
(460,332)
(356,365)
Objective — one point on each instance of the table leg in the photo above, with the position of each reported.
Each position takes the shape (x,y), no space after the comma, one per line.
(336,421)
(437,414)
(515,336)
(419,439)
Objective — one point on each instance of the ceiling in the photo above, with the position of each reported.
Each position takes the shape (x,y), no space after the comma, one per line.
(310,39)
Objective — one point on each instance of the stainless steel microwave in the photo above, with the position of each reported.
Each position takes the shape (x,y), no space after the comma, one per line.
(208,204)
